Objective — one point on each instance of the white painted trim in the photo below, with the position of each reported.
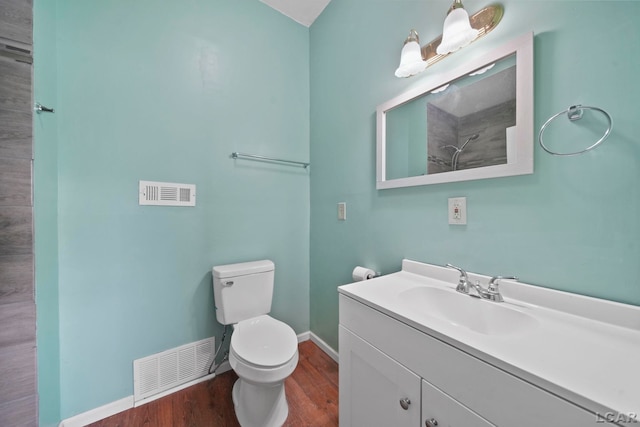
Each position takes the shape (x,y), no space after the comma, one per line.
(523,132)
(325,347)
(172,390)
(123,404)
(224,367)
(98,414)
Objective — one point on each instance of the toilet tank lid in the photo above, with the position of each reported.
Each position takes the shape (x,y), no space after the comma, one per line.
(243,268)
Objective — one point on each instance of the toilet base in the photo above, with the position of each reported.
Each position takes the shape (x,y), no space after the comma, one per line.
(263,405)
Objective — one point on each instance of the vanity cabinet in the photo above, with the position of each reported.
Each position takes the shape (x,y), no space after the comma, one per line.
(383,360)
(375,389)
(378,391)
(440,409)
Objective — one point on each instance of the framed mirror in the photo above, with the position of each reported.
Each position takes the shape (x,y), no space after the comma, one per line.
(473,122)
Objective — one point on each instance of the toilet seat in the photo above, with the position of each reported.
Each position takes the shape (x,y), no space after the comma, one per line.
(264,342)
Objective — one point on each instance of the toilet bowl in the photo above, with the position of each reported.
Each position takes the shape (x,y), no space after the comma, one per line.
(263,353)
(263,350)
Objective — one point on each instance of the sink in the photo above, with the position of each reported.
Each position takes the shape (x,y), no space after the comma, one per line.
(481,316)
(579,348)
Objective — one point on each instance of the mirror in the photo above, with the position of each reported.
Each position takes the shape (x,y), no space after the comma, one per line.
(473,122)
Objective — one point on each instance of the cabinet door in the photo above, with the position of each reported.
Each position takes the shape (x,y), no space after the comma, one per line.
(447,412)
(375,390)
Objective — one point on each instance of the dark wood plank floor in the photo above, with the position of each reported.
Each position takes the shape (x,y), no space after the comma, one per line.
(312,393)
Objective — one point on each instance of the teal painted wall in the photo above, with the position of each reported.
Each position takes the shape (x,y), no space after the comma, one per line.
(572,225)
(406,124)
(45,194)
(165,91)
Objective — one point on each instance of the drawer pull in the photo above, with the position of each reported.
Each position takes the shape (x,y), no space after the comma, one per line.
(431,423)
(405,402)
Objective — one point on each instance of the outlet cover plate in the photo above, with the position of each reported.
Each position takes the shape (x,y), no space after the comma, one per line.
(458,211)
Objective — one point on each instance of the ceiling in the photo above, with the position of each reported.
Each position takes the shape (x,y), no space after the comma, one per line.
(302,11)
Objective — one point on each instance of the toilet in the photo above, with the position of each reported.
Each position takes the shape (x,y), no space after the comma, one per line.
(263,351)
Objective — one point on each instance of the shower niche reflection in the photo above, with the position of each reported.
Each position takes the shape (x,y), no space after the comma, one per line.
(470,123)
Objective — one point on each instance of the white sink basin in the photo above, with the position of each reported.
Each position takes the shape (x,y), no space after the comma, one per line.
(482,316)
(580,348)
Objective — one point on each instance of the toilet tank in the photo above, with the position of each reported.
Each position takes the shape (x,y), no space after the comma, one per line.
(242,291)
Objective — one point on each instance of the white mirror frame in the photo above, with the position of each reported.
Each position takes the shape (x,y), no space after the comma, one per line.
(523,133)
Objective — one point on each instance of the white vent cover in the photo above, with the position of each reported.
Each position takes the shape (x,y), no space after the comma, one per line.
(167,194)
(172,368)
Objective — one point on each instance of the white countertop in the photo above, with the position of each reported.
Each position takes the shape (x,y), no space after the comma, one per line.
(584,349)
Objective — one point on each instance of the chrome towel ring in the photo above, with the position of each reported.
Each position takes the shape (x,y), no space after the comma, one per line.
(575,113)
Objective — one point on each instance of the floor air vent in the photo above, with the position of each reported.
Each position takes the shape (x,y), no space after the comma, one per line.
(172,368)
(166,194)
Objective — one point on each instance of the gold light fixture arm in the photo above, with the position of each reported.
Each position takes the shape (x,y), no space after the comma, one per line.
(457,4)
(484,21)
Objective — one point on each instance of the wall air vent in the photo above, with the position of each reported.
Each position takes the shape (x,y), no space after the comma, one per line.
(166,194)
(170,369)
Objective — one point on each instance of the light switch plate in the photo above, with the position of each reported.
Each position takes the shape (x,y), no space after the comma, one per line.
(342,211)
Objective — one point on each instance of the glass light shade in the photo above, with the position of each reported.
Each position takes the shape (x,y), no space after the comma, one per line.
(411,62)
(440,89)
(457,32)
(482,70)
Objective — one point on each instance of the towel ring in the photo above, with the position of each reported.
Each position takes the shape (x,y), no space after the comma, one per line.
(575,113)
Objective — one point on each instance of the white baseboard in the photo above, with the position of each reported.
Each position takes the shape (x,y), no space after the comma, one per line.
(224,367)
(173,390)
(125,403)
(304,336)
(98,414)
(324,347)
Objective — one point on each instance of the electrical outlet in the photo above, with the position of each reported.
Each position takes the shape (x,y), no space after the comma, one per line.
(458,211)
(342,211)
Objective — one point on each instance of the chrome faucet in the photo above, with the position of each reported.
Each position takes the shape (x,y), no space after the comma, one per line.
(463,282)
(492,293)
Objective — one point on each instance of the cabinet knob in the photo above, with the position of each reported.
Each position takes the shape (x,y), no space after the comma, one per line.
(405,402)
(431,423)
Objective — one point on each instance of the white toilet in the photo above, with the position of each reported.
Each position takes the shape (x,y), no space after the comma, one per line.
(263,350)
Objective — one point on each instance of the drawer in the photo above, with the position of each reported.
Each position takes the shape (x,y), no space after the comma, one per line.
(446,411)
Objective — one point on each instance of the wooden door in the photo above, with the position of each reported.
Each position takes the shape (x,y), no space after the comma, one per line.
(18,389)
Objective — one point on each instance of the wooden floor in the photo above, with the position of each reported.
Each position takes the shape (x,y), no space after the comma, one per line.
(312,393)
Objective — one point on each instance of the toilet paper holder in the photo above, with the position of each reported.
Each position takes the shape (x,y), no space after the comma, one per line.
(363,273)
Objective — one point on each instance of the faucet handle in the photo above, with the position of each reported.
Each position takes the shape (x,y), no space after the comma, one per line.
(493,283)
(463,283)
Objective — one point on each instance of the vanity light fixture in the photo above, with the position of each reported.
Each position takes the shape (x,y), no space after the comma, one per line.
(411,62)
(459,31)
